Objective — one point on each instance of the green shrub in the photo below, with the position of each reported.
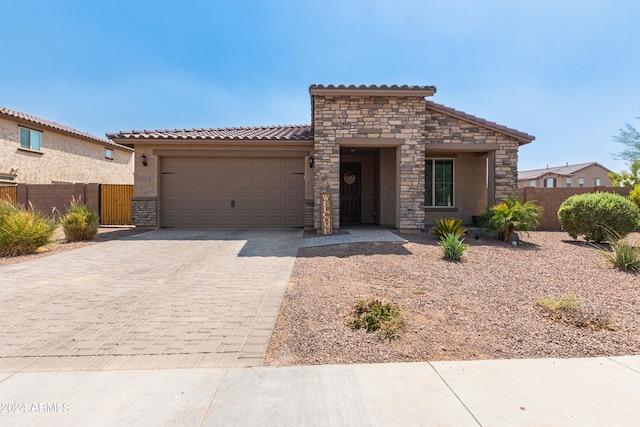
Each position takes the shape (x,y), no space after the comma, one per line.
(22,231)
(512,215)
(448,225)
(592,214)
(80,223)
(374,316)
(634,195)
(452,246)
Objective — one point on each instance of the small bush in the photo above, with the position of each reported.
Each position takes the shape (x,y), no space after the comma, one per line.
(448,225)
(592,214)
(374,316)
(80,223)
(511,215)
(453,246)
(22,231)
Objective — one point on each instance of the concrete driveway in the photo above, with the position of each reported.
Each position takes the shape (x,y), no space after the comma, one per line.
(169,298)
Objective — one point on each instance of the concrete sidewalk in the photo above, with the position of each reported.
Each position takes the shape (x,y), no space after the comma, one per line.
(535,392)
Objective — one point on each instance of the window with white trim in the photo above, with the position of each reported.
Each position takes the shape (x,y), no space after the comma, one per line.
(596,182)
(550,182)
(108,153)
(532,183)
(580,182)
(568,182)
(438,183)
(30,139)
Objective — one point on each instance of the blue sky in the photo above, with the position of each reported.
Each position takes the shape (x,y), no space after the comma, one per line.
(567,72)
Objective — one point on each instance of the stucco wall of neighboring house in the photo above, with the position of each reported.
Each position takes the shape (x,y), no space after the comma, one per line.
(62,158)
(375,121)
(589,173)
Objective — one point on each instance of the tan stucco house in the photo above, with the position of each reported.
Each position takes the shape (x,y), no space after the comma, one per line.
(581,175)
(384,154)
(38,151)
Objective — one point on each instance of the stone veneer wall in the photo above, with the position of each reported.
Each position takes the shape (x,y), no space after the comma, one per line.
(337,118)
(445,129)
(144,211)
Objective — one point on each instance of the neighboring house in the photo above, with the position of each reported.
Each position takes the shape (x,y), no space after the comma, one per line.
(385,154)
(581,175)
(37,151)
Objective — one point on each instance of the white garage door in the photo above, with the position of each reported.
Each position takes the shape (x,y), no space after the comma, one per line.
(231,192)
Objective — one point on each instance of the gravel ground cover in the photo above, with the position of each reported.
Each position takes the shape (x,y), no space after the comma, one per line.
(481,308)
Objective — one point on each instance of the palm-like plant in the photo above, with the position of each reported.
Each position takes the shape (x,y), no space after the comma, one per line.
(511,215)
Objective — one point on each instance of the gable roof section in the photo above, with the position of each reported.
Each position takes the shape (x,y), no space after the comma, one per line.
(267,133)
(523,137)
(566,170)
(33,120)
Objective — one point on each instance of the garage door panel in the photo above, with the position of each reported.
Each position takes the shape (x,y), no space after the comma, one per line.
(232,192)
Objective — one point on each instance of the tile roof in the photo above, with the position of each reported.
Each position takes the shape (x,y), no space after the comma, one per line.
(382,90)
(56,126)
(566,170)
(525,138)
(269,133)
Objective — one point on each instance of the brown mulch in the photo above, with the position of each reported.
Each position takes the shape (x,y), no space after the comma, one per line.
(484,307)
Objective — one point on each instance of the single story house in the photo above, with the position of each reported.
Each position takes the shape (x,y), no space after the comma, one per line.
(38,151)
(374,154)
(581,175)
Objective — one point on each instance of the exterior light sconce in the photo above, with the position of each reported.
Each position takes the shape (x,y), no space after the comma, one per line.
(143,159)
(311,162)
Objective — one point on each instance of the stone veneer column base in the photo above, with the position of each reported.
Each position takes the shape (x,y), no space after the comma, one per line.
(144,211)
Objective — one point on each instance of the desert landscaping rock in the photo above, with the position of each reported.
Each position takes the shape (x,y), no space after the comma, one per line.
(481,308)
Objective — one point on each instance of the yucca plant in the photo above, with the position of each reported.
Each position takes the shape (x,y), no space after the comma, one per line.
(448,225)
(453,246)
(512,215)
(623,255)
(22,230)
(80,222)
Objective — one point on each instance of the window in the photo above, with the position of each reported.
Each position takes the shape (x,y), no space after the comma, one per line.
(108,153)
(30,139)
(550,182)
(438,182)
(580,182)
(568,182)
(596,182)
(532,183)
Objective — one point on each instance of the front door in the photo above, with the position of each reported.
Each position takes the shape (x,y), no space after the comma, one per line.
(350,193)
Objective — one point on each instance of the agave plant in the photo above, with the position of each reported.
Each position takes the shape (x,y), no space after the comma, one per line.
(452,246)
(448,225)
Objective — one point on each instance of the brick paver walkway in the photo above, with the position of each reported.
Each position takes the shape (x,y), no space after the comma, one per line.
(163,299)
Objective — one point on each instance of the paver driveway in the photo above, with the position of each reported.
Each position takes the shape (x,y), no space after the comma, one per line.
(168,298)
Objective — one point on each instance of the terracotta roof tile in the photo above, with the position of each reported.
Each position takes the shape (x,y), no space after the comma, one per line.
(522,136)
(374,87)
(269,133)
(56,126)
